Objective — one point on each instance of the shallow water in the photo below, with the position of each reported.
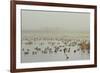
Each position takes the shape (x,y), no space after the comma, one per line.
(52,47)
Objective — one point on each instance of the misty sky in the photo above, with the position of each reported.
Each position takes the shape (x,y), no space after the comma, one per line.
(55,21)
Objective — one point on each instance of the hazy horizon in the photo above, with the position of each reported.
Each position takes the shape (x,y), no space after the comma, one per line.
(50,21)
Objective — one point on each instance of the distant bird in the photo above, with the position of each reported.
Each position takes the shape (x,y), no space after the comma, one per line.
(29,43)
(34,52)
(56,49)
(26,53)
(69,50)
(74,51)
(37,48)
(65,50)
(78,49)
(44,52)
(67,57)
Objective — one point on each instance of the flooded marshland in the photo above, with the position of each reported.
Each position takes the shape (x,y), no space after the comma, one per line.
(47,47)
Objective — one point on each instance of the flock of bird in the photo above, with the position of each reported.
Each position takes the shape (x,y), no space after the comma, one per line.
(54,46)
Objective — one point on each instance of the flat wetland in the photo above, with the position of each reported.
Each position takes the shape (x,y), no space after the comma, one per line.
(56,46)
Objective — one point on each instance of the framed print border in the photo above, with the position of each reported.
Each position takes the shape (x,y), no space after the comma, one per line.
(13,35)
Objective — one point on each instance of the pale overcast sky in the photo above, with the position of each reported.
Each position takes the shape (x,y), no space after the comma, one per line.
(55,21)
